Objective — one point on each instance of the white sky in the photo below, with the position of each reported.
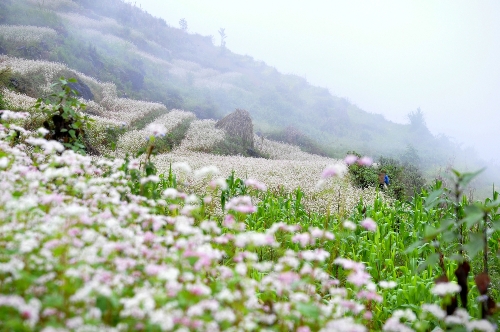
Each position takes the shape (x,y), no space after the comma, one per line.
(387,57)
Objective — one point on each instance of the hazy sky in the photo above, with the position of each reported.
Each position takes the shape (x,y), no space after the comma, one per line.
(387,57)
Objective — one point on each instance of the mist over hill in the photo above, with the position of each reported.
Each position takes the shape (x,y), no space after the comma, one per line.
(148,59)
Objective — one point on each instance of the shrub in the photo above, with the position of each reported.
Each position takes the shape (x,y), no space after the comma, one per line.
(294,136)
(406,179)
(5,76)
(362,176)
(173,138)
(234,146)
(3,103)
(65,122)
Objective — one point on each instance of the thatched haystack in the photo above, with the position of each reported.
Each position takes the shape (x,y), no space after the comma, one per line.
(239,125)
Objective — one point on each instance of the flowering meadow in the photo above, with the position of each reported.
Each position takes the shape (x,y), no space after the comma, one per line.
(186,240)
(101,245)
(23,33)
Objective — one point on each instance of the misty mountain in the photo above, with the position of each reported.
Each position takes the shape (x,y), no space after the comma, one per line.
(150,60)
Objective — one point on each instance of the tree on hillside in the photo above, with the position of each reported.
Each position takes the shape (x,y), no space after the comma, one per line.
(223,36)
(410,156)
(183,24)
(417,120)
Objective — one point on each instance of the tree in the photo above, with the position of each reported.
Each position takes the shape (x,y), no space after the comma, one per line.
(183,24)
(417,120)
(410,156)
(223,36)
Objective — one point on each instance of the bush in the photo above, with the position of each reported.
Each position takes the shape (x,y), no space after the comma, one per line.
(294,136)
(234,146)
(5,76)
(406,179)
(65,123)
(3,103)
(112,135)
(362,176)
(173,138)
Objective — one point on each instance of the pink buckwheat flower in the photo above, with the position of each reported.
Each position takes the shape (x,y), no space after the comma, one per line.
(359,278)
(156,129)
(365,161)
(369,224)
(329,171)
(241,204)
(255,184)
(350,159)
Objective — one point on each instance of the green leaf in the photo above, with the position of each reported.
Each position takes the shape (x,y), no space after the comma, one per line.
(496,225)
(445,224)
(430,232)
(433,198)
(449,236)
(102,303)
(433,259)
(54,300)
(468,177)
(473,214)
(308,310)
(192,260)
(475,245)
(457,257)
(413,246)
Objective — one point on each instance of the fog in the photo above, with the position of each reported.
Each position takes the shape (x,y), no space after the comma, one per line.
(387,57)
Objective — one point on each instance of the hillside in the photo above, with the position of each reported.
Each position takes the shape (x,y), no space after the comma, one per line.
(147,59)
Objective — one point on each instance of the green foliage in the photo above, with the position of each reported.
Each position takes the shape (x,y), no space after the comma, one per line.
(112,135)
(25,13)
(3,103)
(463,230)
(235,187)
(362,176)
(417,120)
(410,156)
(235,146)
(405,178)
(65,123)
(173,138)
(294,136)
(149,189)
(5,77)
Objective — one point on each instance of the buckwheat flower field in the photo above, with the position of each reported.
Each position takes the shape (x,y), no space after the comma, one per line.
(204,242)
(279,175)
(88,250)
(18,100)
(49,70)
(202,136)
(81,21)
(128,110)
(83,251)
(24,33)
(133,140)
(55,4)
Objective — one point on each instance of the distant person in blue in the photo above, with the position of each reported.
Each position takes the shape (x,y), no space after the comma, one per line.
(383,179)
